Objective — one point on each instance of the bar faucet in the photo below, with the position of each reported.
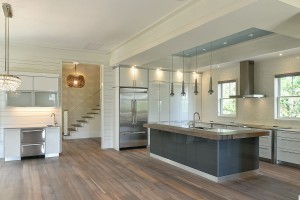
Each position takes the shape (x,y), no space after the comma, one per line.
(54,120)
(194,120)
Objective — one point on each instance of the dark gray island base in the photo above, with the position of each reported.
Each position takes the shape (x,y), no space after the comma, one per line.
(216,154)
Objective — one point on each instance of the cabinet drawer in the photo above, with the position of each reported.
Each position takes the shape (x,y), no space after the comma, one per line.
(288,143)
(265,141)
(289,134)
(288,156)
(265,152)
(33,150)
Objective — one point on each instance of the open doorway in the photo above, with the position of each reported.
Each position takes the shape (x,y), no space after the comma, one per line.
(81,106)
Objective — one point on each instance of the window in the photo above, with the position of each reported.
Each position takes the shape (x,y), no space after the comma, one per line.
(288,95)
(227,105)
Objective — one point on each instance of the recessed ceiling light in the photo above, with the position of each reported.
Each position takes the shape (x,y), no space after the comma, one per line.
(218,66)
(194,72)
(158,69)
(280,54)
(251,35)
(204,49)
(224,43)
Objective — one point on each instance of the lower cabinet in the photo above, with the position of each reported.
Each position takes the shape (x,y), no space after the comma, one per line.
(12,143)
(12,147)
(288,147)
(53,141)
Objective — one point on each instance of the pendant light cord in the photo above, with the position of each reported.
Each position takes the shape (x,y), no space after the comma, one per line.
(183,66)
(172,68)
(210,57)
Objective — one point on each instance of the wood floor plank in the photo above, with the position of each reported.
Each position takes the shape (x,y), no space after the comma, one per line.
(85,171)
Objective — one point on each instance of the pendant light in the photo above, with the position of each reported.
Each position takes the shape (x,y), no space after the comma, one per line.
(196,84)
(75,80)
(182,86)
(172,83)
(210,90)
(8,83)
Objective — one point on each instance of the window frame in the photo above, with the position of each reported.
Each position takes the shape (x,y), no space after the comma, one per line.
(220,98)
(278,96)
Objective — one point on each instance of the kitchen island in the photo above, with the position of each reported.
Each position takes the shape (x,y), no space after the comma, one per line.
(216,154)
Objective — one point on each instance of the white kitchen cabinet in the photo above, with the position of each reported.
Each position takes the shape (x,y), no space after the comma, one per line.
(26,84)
(53,141)
(45,84)
(288,146)
(133,77)
(12,147)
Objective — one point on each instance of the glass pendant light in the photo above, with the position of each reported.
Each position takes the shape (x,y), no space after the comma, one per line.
(182,86)
(75,80)
(196,84)
(172,83)
(210,90)
(8,83)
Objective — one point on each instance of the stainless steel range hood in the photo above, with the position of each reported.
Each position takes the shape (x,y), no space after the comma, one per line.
(247,81)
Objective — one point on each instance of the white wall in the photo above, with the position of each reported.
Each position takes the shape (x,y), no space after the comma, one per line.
(252,111)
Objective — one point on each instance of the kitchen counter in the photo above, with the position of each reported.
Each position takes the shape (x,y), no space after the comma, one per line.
(208,133)
(216,154)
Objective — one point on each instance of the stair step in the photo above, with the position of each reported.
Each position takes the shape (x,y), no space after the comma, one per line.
(96,109)
(98,105)
(76,125)
(92,113)
(82,121)
(87,117)
(72,129)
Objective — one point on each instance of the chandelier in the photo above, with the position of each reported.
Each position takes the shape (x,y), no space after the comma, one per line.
(8,82)
(75,80)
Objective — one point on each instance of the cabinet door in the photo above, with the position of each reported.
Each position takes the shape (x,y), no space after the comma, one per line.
(45,83)
(45,99)
(53,141)
(27,83)
(132,77)
(12,143)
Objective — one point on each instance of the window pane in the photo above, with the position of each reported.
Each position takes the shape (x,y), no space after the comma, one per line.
(228,106)
(286,86)
(232,88)
(297,85)
(289,107)
(225,90)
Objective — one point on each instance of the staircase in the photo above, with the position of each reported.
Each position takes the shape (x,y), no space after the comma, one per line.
(83,121)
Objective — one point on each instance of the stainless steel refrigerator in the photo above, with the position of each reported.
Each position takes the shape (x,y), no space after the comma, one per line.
(133,114)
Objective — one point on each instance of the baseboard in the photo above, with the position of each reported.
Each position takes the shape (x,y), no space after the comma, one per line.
(78,135)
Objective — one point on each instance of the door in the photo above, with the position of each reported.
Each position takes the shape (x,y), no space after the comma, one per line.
(126,116)
(141,117)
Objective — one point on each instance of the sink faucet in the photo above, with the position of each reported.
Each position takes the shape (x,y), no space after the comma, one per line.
(194,120)
(54,120)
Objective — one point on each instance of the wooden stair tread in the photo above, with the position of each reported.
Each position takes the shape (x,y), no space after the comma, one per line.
(92,113)
(76,125)
(96,109)
(71,129)
(82,121)
(87,117)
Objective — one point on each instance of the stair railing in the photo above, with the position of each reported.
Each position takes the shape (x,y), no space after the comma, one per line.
(81,109)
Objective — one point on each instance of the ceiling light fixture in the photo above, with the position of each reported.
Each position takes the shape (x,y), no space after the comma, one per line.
(75,80)
(196,84)
(172,84)
(182,86)
(8,82)
(210,90)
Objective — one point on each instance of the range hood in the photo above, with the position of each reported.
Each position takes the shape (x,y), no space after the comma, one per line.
(247,81)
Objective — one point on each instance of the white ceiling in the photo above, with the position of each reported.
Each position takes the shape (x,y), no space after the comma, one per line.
(93,25)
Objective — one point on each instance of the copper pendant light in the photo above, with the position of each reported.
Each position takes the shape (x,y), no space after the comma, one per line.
(75,80)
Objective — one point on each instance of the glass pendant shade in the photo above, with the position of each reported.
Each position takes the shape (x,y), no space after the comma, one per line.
(75,80)
(196,87)
(210,90)
(172,84)
(182,85)
(8,82)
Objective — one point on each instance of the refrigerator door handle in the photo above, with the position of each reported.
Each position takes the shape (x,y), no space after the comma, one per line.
(132,112)
(135,117)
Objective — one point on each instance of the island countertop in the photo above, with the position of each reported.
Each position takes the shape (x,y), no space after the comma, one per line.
(209,133)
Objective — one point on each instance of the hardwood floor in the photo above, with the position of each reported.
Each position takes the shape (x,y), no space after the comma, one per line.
(84,171)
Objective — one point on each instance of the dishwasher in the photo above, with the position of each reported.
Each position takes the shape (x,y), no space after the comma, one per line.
(33,142)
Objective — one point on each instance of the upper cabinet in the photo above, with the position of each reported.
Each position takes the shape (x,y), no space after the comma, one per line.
(27,83)
(133,77)
(36,90)
(46,83)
